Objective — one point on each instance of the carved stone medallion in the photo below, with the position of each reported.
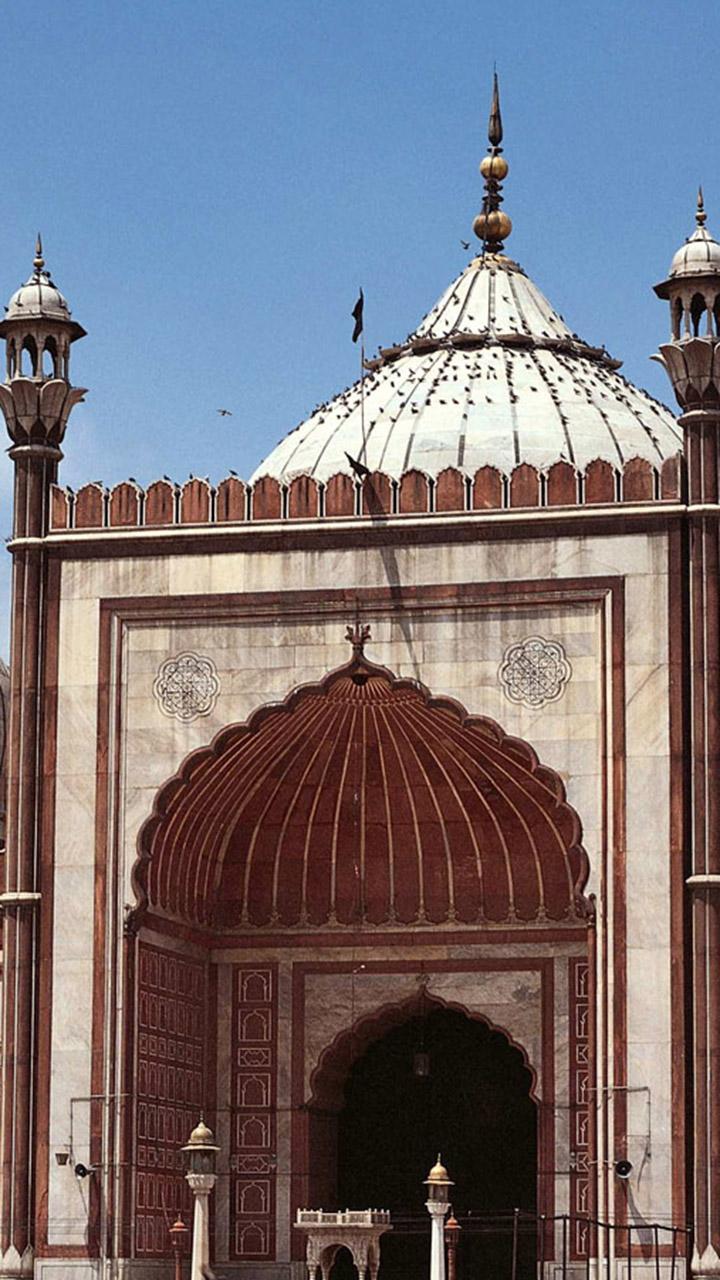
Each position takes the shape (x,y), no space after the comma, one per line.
(534,671)
(186,686)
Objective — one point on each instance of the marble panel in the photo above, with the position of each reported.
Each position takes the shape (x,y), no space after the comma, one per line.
(77,642)
(647,789)
(646,694)
(68,1195)
(648,989)
(646,620)
(75,820)
(73,903)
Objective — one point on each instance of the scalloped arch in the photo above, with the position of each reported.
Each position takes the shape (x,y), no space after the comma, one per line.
(328,1077)
(362,799)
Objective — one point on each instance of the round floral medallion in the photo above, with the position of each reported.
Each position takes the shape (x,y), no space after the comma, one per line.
(534,671)
(186,686)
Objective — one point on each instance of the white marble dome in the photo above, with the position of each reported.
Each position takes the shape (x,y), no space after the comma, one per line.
(491,376)
(38,298)
(700,255)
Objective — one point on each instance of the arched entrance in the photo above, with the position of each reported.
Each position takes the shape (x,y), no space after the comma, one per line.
(364,803)
(440,1081)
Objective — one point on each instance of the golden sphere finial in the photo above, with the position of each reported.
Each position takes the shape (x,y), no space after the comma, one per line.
(492,228)
(38,260)
(700,215)
(491,225)
(494,166)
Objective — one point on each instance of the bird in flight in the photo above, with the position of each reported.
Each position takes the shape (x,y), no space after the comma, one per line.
(225,413)
(465,244)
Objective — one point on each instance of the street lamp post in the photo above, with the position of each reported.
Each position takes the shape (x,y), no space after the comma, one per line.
(178,1232)
(201,1151)
(452,1233)
(437,1205)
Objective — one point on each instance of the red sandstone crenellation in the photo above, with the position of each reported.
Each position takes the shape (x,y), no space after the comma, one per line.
(195,502)
(375,497)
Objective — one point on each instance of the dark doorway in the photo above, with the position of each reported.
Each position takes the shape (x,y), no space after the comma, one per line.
(474,1107)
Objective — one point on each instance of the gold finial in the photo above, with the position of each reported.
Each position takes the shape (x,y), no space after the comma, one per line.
(38,260)
(700,216)
(492,226)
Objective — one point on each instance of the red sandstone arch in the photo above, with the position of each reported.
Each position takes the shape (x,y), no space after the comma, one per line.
(362,799)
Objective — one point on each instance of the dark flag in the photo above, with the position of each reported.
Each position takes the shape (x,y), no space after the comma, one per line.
(357,315)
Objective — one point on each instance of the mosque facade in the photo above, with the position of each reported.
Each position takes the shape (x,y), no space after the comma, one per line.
(371,807)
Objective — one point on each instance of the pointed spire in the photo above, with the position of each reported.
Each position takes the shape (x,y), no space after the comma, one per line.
(38,260)
(495,129)
(492,226)
(700,216)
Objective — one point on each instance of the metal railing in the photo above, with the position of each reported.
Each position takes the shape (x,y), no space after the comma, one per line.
(522,1245)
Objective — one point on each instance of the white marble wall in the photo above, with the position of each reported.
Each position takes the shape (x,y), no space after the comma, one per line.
(455,652)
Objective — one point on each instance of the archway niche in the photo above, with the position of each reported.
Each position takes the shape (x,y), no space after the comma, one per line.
(376,1126)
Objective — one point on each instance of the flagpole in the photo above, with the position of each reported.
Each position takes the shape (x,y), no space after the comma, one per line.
(362,400)
(358,332)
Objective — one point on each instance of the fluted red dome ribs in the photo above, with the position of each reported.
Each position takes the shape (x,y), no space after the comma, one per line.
(363,799)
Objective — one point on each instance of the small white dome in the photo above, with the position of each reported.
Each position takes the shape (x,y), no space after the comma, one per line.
(38,298)
(700,255)
(492,376)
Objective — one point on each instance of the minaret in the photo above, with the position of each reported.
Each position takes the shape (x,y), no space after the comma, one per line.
(692,361)
(36,400)
(491,225)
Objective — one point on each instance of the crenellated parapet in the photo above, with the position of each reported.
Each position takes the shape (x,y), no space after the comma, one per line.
(378,495)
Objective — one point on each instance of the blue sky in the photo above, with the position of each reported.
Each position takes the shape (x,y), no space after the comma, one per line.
(214,180)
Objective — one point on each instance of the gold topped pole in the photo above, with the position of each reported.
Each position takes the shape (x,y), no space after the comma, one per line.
(700,215)
(491,225)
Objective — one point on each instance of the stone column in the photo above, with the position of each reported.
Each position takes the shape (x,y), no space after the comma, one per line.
(702,430)
(694,368)
(36,415)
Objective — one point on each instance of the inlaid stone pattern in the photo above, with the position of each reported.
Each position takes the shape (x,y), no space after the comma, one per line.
(253,1162)
(579,1111)
(187,686)
(534,671)
(169,1083)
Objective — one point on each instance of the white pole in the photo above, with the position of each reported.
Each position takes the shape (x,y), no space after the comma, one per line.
(201,1184)
(437,1210)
